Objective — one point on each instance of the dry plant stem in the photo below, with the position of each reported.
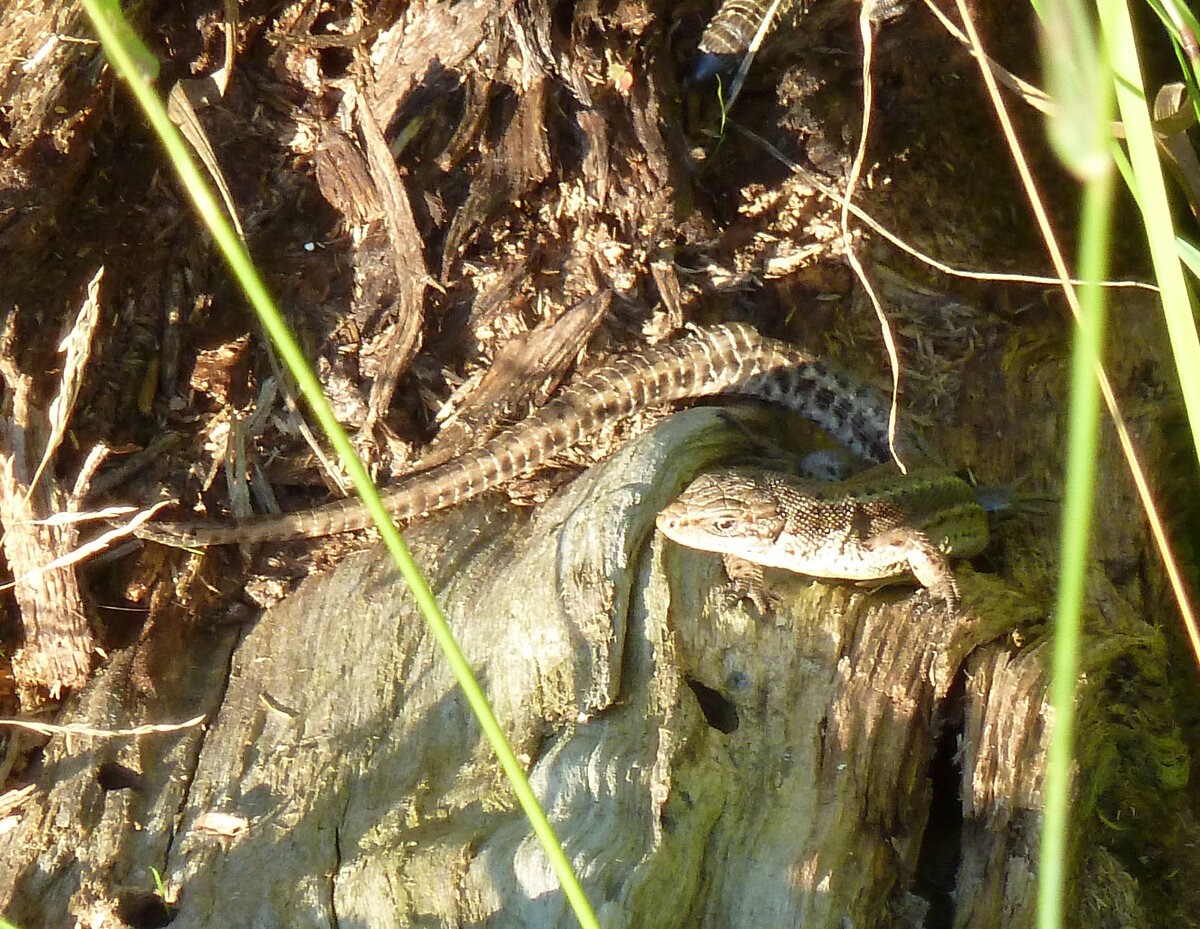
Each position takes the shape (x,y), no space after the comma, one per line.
(1179,120)
(1033,95)
(1131,457)
(889,340)
(756,43)
(92,732)
(834,195)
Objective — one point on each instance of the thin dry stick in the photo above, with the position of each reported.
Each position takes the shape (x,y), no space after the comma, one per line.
(1179,120)
(889,340)
(1131,457)
(96,545)
(75,729)
(755,44)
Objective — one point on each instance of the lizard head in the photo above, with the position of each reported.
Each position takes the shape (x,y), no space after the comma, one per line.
(726,511)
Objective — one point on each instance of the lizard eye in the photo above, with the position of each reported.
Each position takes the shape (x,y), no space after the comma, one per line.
(724,523)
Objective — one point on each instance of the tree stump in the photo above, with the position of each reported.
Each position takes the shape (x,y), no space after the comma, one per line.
(841,759)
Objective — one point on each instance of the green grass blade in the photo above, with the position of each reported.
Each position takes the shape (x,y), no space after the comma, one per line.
(1074,70)
(1151,194)
(1076,525)
(1143,174)
(1190,255)
(1078,77)
(114,34)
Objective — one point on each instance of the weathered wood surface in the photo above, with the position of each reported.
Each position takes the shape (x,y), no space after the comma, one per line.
(703,766)
(342,742)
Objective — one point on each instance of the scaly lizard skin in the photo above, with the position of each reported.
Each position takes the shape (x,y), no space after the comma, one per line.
(730,34)
(875,525)
(731,360)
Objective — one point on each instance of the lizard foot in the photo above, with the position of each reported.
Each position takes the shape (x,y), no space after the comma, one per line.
(913,550)
(746,583)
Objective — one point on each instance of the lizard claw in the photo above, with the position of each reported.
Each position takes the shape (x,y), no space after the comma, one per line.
(765,601)
(929,598)
(914,550)
(746,583)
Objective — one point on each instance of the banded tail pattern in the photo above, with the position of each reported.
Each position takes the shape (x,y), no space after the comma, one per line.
(731,359)
(729,34)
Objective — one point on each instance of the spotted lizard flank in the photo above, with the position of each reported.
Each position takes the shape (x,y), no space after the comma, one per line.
(875,525)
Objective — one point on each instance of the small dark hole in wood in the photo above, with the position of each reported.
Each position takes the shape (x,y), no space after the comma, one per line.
(335,62)
(113,776)
(719,712)
(140,909)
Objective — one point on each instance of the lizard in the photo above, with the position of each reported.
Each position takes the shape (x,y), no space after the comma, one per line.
(731,359)
(875,525)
